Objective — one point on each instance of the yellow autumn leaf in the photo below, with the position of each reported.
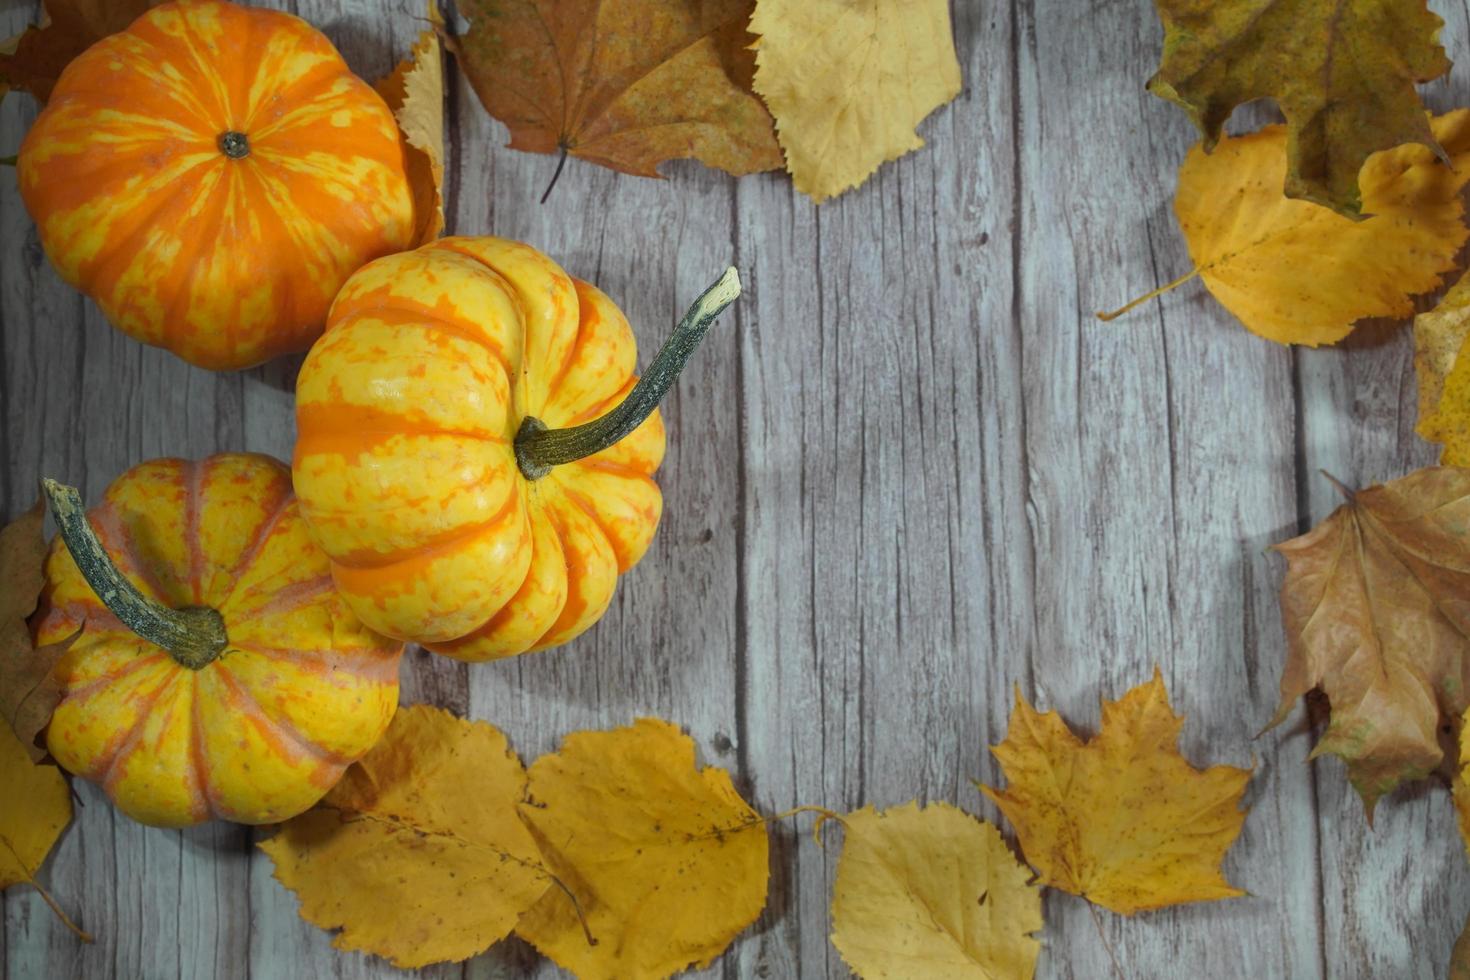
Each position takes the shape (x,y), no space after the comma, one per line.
(415,93)
(1297,273)
(34,809)
(1444,379)
(666,860)
(847,83)
(418,854)
(932,892)
(1122,820)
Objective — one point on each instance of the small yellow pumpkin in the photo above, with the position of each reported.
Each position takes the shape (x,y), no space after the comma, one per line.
(474,450)
(219,674)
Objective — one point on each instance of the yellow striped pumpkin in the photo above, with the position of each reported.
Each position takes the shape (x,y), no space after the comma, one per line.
(224,677)
(211,176)
(474,450)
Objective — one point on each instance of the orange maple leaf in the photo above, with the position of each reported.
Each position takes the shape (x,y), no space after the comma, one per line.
(1123,820)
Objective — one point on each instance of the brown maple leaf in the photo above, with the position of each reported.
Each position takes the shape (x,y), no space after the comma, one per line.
(33,60)
(1376,605)
(626,84)
(28,690)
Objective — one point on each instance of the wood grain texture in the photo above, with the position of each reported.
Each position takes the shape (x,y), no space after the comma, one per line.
(909,473)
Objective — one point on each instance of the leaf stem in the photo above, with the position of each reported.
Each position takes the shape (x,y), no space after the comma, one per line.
(1166,287)
(539,449)
(1342,488)
(81,934)
(555,176)
(1117,970)
(51,903)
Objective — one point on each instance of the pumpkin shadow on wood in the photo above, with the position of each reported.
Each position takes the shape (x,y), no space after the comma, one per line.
(368,46)
(427,678)
(279,374)
(222,840)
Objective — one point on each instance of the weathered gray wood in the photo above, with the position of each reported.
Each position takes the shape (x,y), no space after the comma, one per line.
(910,473)
(1160,464)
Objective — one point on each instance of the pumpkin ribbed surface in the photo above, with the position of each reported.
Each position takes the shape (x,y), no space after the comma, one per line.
(260,734)
(407,410)
(225,260)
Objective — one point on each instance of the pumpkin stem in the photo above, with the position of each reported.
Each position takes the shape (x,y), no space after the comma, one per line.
(234,145)
(194,636)
(538,448)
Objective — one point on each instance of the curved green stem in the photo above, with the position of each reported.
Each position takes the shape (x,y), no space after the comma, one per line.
(194,636)
(538,448)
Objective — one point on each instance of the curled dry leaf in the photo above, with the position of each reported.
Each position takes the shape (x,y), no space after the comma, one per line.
(1376,616)
(667,861)
(850,101)
(33,61)
(34,809)
(415,93)
(29,688)
(1123,820)
(418,854)
(1296,273)
(1444,379)
(1342,73)
(932,892)
(626,84)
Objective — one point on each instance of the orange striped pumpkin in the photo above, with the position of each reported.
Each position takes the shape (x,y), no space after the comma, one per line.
(259,730)
(415,411)
(211,176)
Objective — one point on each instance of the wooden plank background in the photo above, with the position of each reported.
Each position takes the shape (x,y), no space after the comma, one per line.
(910,472)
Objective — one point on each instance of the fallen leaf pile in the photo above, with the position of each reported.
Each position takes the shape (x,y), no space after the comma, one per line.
(615,857)
(1123,820)
(629,84)
(1268,216)
(1297,273)
(1376,616)
(1342,73)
